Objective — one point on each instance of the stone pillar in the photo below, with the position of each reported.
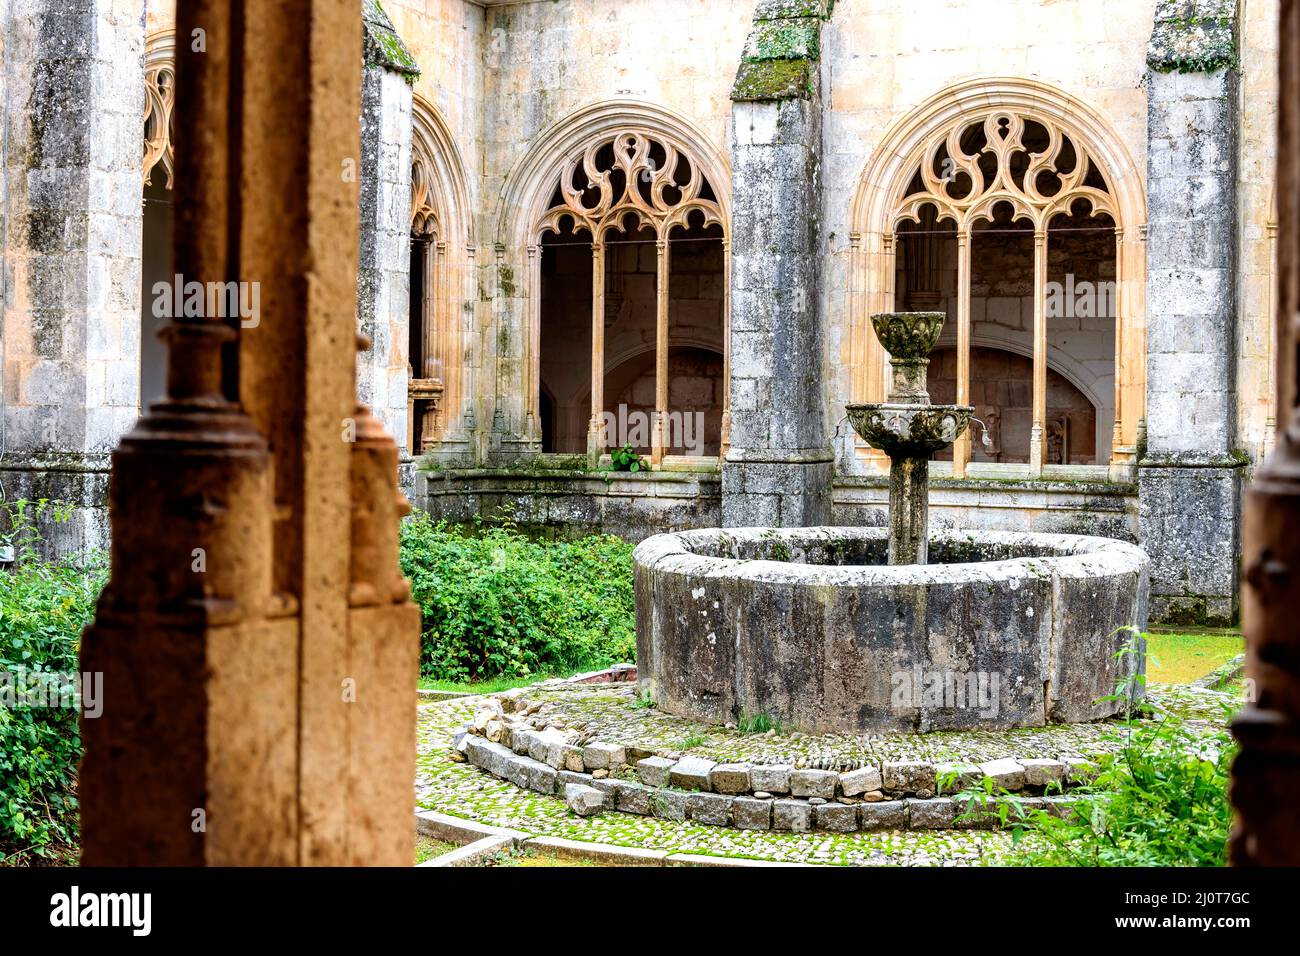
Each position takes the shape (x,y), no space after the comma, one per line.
(70,359)
(257,642)
(383,291)
(1189,478)
(1266,772)
(779,465)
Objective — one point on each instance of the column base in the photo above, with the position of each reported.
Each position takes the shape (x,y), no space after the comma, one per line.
(792,493)
(1189,522)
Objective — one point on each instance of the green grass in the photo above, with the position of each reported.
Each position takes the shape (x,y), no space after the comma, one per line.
(427,849)
(758,724)
(493,685)
(533,858)
(1183,658)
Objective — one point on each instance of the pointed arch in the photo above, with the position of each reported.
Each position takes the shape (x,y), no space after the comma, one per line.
(888,193)
(440,399)
(601,164)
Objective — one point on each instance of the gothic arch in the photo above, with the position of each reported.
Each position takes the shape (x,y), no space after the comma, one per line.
(886,194)
(550,168)
(531,181)
(442,232)
(441,186)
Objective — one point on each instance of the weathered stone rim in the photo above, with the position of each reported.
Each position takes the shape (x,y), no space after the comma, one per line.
(1069,556)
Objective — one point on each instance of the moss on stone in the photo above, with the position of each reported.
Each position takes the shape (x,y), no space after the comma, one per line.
(784,9)
(798,39)
(381,46)
(1193,37)
(1193,611)
(768,80)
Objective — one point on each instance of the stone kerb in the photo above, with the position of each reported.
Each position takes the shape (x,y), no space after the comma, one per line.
(760,621)
(886,796)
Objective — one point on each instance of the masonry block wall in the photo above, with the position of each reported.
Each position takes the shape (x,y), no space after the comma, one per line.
(779,467)
(72,236)
(384,172)
(1189,479)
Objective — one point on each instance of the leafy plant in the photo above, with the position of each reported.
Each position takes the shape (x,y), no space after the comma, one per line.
(44,605)
(692,741)
(625,459)
(1160,799)
(497,604)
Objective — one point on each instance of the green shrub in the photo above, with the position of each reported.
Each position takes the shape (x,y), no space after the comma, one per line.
(43,608)
(1167,805)
(1159,799)
(495,603)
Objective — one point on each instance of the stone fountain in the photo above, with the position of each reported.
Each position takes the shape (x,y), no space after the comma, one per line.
(908,428)
(870,630)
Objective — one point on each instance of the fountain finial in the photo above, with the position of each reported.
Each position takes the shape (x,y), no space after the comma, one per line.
(908,337)
(908,428)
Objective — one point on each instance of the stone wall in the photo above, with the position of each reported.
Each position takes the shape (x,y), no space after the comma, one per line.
(384,172)
(556,503)
(1190,476)
(560,504)
(73,99)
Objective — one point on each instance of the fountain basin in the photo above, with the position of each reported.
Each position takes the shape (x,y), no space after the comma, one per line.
(810,627)
(909,431)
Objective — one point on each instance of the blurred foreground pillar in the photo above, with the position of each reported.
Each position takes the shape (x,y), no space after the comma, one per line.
(257,642)
(1266,774)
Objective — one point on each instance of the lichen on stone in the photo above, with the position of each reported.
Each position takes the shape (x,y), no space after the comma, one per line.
(797,39)
(782,45)
(1193,36)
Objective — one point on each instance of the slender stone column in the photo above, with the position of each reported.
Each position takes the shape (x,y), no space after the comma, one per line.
(72,146)
(1189,478)
(961,447)
(1266,773)
(257,641)
(778,466)
(909,510)
(663,263)
(596,436)
(1037,432)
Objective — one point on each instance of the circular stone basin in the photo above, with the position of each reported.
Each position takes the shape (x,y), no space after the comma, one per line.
(810,628)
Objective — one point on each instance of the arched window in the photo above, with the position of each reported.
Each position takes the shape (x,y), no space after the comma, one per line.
(1017,213)
(631,256)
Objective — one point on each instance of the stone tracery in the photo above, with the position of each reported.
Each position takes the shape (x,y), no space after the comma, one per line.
(965,190)
(1000,153)
(621,176)
(160,98)
(623,181)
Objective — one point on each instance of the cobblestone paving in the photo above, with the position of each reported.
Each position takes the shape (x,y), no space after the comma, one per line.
(605,712)
(461,790)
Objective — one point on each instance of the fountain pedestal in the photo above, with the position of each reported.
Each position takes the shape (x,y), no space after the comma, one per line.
(908,428)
